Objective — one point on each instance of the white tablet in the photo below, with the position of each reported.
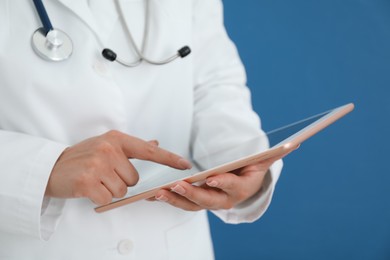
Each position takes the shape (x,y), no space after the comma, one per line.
(282,141)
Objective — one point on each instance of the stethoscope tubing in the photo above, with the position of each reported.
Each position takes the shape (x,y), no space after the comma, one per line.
(145,39)
(45,20)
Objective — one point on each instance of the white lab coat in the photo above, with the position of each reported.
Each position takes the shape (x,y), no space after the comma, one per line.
(194,106)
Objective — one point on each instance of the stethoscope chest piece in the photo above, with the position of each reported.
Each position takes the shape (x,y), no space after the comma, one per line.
(54,46)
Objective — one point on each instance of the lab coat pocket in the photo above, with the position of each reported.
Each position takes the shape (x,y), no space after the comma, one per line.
(191,239)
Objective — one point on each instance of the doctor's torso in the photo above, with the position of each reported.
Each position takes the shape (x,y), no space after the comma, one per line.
(87,95)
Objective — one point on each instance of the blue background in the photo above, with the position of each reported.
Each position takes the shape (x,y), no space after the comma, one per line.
(303,57)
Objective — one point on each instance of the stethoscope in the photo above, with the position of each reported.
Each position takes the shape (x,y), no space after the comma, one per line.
(55,45)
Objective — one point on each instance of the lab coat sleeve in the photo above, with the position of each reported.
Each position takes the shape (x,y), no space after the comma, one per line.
(223,116)
(26,163)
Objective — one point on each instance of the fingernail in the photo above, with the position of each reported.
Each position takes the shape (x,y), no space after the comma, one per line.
(185,164)
(212,183)
(154,142)
(179,189)
(162,198)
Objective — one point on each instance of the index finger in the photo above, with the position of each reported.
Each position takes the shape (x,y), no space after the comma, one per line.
(134,147)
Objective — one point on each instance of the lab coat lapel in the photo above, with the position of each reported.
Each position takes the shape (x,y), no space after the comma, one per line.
(83,11)
(80,8)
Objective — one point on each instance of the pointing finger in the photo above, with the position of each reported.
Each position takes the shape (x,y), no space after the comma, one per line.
(137,148)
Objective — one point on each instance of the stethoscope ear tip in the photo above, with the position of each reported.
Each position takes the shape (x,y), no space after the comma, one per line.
(184,51)
(109,54)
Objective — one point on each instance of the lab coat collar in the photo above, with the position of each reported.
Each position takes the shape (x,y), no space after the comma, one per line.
(82,9)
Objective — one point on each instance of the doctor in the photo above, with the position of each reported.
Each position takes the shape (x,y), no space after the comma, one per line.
(67,129)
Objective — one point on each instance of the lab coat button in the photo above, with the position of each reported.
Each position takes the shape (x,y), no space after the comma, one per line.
(125,247)
(100,68)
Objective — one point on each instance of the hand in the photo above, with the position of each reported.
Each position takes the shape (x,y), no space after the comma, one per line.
(222,191)
(98,168)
